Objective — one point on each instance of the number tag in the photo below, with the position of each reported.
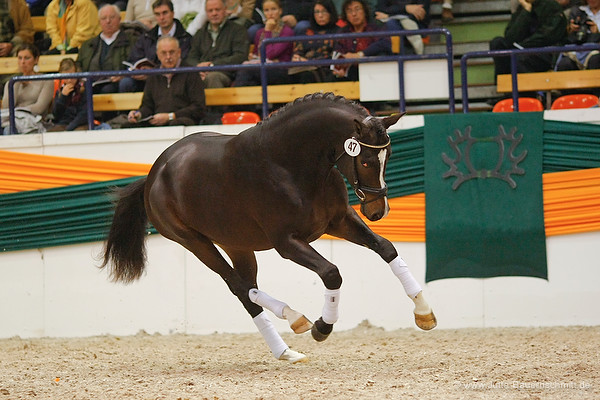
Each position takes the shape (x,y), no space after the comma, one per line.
(352,147)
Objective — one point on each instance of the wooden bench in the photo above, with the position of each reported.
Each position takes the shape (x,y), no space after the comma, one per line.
(46,63)
(235,95)
(552,80)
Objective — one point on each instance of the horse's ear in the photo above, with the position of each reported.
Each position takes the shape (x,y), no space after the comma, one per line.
(391,120)
(359,126)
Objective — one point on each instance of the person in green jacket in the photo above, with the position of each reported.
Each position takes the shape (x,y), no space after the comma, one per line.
(536,23)
(106,51)
(219,42)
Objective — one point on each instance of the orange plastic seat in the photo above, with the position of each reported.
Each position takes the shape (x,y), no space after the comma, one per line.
(240,117)
(574,101)
(525,104)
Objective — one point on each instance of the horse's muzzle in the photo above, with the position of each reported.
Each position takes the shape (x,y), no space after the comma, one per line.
(373,202)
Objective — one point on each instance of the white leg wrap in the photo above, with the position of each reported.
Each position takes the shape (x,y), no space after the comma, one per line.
(330,308)
(270,334)
(264,300)
(400,269)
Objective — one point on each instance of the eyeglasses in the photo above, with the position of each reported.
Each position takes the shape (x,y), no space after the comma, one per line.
(321,12)
(354,10)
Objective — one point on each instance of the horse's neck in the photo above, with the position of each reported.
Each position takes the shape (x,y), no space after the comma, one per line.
(300,144)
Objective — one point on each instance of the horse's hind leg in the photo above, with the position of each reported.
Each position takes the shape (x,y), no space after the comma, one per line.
(206,252)
(244,262)
(353,229)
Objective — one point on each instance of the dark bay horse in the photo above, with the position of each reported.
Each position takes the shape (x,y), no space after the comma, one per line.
(274,185)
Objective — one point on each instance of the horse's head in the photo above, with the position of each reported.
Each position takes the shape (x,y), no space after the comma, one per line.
(364,162)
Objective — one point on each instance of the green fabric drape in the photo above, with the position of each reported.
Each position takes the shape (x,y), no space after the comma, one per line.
(484,210)
(82,213)
(58,216)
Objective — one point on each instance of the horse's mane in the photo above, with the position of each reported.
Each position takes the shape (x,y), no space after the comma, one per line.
(329,97)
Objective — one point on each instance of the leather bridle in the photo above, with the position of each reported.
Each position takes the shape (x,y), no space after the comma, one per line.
(361,191)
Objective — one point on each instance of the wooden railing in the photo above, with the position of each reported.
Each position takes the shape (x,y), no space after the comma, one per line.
(235,95)
(551,80)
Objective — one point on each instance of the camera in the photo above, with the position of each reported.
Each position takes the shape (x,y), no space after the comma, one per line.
(581,34)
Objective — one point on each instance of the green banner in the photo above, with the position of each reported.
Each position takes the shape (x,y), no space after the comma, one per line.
(483,195)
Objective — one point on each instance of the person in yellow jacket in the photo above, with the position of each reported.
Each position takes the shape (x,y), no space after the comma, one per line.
(69,23)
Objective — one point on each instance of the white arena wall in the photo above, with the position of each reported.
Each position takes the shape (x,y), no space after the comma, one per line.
(60,292)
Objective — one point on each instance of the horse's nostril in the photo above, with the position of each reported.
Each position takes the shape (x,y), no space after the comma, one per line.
(376,216)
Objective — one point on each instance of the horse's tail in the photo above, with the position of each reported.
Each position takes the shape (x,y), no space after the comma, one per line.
(125,247)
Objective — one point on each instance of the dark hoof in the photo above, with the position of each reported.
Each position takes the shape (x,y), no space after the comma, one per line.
(320,330)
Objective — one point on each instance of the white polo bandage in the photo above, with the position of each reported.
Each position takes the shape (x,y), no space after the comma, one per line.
(400,269)
(330,308)
(270,334)
(264,300)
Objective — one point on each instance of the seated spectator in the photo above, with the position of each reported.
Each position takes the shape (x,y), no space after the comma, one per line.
(322,21)
(276,52)
(220,42)
(170,99)
(140,11)
(69,23)
(16,27)
(356,15)
(583,28)
(70,104)
(405,15)
(145,45)
(32,98)
(241,11)
(296,15)
(536,23)
(107,51)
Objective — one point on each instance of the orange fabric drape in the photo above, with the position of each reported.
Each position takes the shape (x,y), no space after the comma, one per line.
(571,205)
(21,171)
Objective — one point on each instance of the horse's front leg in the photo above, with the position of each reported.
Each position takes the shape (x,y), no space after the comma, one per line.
(353,229)
(302,253)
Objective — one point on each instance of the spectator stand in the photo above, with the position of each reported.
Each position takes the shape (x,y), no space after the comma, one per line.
(533,81)
(258,94)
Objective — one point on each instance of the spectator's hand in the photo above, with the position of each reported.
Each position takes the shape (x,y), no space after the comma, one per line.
(270,25)
(353,55)
(115,78)
(67,89)
(289,20)
(134,116)
(160,119)
(141,77)
(297,57)
(204,64)
(526,4)
(417,10)
(593,27)
(5,49)
(381,16)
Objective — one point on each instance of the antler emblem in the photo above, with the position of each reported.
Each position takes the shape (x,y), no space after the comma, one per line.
(464,156)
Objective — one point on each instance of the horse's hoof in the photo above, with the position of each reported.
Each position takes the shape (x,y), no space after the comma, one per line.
(301,325)
(320,330)
(426,321)
(293,356)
